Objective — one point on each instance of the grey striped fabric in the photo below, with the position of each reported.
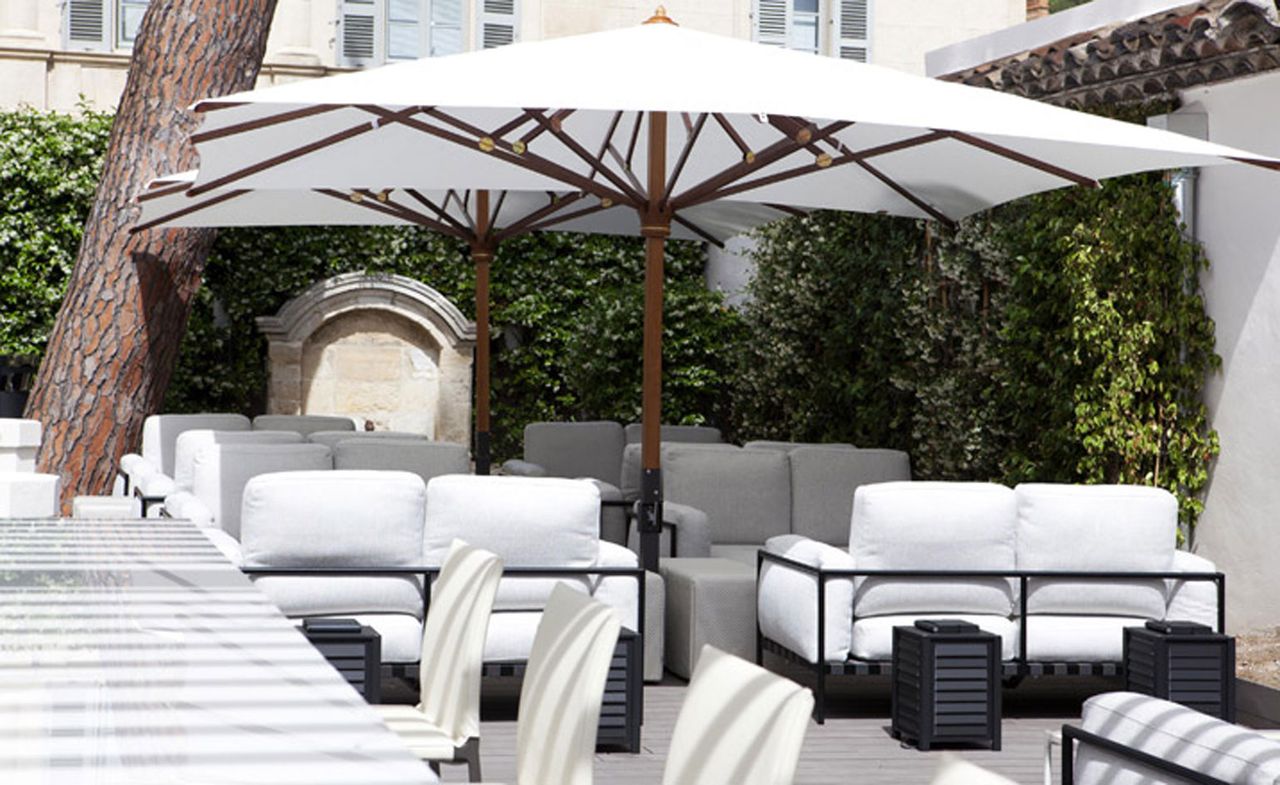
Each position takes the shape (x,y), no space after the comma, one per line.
(132,651)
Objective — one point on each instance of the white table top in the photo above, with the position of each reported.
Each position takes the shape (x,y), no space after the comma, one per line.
(133,653)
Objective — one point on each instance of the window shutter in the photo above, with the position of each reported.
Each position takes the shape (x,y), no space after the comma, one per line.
(497,23)
(130,20)
(446,28)
(404,30)
(853,30)
(86,24)
(359,32)
(770,25)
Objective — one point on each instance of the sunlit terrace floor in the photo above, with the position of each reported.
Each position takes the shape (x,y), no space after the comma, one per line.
(852,748)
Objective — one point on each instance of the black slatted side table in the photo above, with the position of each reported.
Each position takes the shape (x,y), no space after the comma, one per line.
(946,685)
(1183,662)
(354,650)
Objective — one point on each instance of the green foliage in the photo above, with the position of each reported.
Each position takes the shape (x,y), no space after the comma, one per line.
(1060,338)
(49,168)
(1061,5)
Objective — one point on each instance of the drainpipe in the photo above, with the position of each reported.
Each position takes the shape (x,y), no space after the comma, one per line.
(1195,125)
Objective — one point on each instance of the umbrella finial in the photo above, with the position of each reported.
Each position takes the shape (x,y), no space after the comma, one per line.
(660,17)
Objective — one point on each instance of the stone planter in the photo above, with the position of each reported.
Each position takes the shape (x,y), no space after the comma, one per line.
(19,441)
(1257,705)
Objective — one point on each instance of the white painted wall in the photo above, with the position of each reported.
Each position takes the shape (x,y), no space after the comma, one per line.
(1236,221)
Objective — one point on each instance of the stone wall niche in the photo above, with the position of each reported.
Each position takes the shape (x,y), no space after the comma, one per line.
(381,348)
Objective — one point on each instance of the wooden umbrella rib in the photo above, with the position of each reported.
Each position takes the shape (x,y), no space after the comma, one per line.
(263,122)
(162,191)
(794,212)
(533,163)
(219,199)
(497,209)
(694,132)
(927,208)
(774,152)
(698,230)
(510,125)
(391,208)
(298,152)
(732,132)
(1272,165)
(560,219)
(523,225)
(800,171)
(635,138)
(441,212)
(1023,158)
(598,166)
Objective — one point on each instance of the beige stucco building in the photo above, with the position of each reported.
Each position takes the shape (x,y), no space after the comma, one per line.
(52,52)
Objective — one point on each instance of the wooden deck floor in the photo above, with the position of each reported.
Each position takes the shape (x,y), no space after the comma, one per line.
(852,748)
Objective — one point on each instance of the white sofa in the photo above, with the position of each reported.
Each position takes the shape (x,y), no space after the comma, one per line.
(1179,741)
(160,434)
(1067,624)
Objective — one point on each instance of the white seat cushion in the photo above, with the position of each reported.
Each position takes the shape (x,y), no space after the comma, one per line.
(1078,638)
(526,521)
(873,637)
(1099,528)
(511,635)
(400,634)
(933,526)
(1175,733)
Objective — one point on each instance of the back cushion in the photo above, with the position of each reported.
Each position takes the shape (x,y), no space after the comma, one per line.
(423,458)
(576,449)
(933,526)
(631,463)
(766,444)
(160,433)
(1096,527)
(330,439)
(1175,733)
(695,434)
(526,521)
(746,494)
(220,472)
(192,442)
(335,519)
(302,423)
(823,481)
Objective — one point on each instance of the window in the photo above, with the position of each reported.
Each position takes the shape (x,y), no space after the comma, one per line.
(796,24)
(373,32)
(102,25)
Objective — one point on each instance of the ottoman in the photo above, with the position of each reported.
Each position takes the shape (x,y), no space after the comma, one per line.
(708,601)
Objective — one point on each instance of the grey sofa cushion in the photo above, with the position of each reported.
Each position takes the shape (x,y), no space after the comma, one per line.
(423,458)
(220,472)
(767,444)
(694,434)
(331,438)
(190,443)
(576,449)
(160,433)
(302,423)
(746,494)
(824,479)
(631,466)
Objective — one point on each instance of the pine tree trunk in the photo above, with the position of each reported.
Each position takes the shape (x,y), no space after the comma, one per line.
(115,342)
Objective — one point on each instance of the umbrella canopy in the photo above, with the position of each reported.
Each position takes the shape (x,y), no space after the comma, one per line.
(750,122)
(665,122)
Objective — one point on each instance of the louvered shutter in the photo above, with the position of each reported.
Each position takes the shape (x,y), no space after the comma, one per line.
(770,24)
(130,20)
(497,23)
(360,32)
(853,30)
(446,27)
(405,31)
(87,24)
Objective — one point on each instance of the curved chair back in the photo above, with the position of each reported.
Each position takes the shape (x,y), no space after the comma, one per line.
(739,725)
(453,640)
(563,688)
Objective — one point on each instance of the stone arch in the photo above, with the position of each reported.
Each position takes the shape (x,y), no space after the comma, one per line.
(380,341)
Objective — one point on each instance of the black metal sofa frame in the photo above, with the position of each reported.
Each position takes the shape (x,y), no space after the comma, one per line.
(1072,735)
(1014,670)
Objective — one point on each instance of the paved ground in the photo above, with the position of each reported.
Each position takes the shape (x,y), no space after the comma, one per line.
(852,748)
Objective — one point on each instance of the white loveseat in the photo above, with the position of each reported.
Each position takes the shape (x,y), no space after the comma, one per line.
(1042,536)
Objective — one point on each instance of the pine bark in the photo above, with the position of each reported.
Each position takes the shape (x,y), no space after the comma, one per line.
(115,342)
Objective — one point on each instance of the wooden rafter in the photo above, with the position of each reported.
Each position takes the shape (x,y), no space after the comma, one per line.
(695,130)
(263,122)
(219,199)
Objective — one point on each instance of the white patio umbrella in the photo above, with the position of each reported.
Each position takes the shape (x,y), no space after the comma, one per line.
(663,121)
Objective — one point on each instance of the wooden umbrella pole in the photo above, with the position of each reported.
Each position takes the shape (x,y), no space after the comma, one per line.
(482,256)
(656,227)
